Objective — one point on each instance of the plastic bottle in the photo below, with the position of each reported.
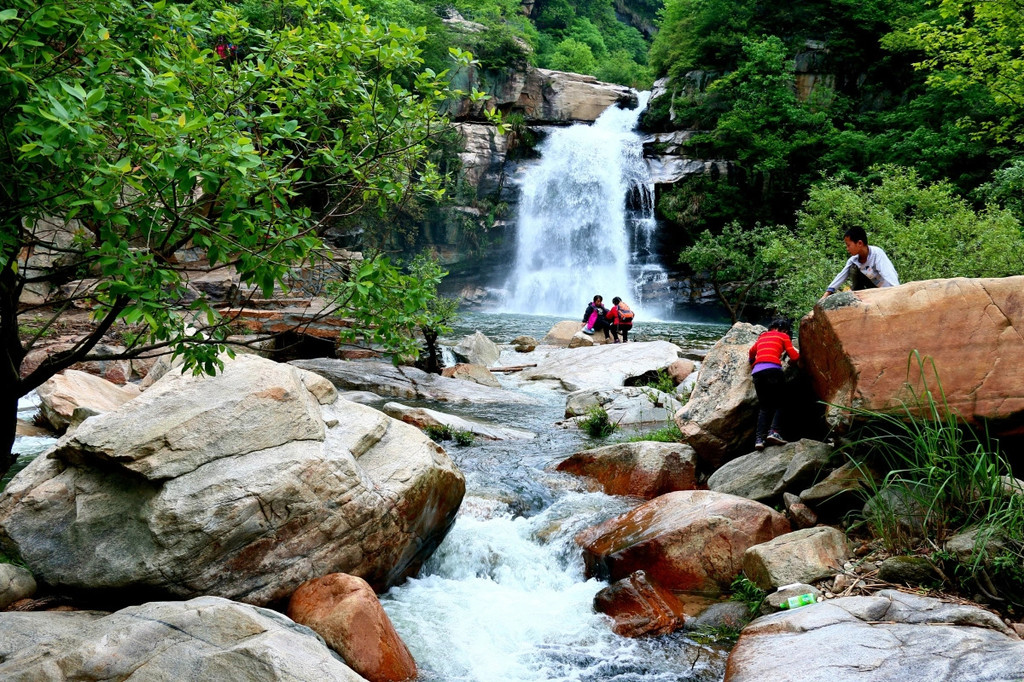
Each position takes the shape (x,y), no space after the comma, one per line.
(799,600)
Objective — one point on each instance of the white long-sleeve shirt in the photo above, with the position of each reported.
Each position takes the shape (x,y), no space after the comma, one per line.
(877,268)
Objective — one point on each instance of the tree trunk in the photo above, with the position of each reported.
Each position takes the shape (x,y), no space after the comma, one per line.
(8,428)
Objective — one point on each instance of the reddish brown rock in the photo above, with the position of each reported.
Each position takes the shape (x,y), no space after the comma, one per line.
(642,469)
(344,610)
(688,540)
(856,346)
(640,606)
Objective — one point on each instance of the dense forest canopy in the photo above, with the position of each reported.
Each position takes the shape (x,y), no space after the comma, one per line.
(930,92)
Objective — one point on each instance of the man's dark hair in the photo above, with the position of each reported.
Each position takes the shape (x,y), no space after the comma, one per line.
(857,234)
(616,300)
(597,298)
(781,324)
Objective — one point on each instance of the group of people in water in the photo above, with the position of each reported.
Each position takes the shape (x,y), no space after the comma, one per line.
(617,320)
(870,268)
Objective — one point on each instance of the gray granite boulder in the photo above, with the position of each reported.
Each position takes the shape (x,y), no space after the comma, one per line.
(764,476)
(207,638)
(891,637)
(15,583)
(241,485)
(477,349)
(407,383)
(626,406)
(719,419)
(802,556)
(602,366)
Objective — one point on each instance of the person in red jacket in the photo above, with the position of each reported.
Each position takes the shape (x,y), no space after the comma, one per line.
(769,382)
(621,317)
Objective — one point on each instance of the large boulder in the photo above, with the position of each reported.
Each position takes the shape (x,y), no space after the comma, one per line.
(626,406)
(207,638)
(344,610)
(241,485)
(67,399)
(856,347)
(604,366)
(802,556)
(422,417)
(408,383)
(764,476)
(642,469)
(719,419)
(561,334)
(477,349)
(690,540)
(891,637)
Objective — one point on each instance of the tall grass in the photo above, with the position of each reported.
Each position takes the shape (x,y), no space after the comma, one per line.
(942,478)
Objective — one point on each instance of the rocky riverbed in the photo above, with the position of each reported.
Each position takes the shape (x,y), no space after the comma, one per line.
(204,503)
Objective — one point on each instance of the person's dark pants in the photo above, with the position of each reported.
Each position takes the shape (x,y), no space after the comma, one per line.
(769,384)
(602,324)
(622,329)
(861,282)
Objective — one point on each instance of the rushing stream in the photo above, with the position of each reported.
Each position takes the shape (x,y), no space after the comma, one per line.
(504,598)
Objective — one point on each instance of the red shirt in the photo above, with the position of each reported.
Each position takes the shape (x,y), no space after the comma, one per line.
(770,346)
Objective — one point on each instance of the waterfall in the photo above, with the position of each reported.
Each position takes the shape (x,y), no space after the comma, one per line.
(586,218)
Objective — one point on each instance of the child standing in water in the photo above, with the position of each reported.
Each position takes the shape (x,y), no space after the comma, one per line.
(769,381)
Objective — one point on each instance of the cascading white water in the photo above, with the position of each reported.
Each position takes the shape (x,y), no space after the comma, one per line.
(504,600)
(574,230)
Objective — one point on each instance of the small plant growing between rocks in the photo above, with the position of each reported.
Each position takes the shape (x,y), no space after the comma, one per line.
(463,437)
(440,432)
(744,590)
(663,382)
(597,424)
(669,433)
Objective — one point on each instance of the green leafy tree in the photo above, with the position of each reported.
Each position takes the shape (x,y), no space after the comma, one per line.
(926,230)
(774,141)
(979,44)
(572,55)
(119,122)
(734,264)
(699,34)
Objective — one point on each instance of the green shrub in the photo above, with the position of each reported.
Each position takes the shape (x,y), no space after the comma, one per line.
(597,424)
(947,478)
(463,437)
(438,432)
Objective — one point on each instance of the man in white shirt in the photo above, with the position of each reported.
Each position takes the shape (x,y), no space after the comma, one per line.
(869,265)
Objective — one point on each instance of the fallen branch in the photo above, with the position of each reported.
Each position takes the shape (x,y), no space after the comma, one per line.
(512,368)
